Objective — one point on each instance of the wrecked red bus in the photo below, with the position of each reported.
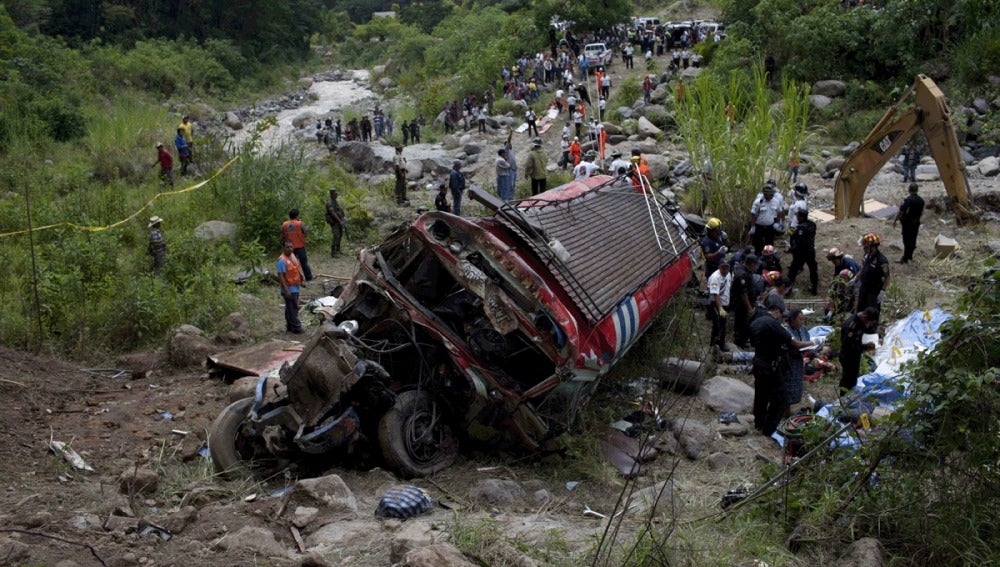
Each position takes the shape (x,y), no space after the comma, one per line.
(456,330)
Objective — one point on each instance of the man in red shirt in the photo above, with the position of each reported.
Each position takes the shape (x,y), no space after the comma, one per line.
(295,231)
(166,162)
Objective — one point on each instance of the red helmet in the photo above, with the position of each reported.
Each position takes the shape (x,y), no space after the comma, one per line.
(846,274)
(768,250)
(772,277)
(871,238)
(834,253)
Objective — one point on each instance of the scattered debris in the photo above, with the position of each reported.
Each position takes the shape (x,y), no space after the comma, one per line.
(404,502)
(110,373)
(570,485)
(72,457)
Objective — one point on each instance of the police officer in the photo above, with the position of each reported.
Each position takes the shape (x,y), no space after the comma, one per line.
(910,211)
(802,245)
(713,246)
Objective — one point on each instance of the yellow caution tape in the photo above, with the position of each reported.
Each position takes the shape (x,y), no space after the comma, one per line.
(128,218)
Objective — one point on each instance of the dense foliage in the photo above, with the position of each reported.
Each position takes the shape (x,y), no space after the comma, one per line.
(924,480)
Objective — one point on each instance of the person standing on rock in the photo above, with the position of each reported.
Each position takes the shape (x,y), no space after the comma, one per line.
(910,211)
(503,176)
(405,127)
(290,279)
(766,212)
(508,147)
(414,132)
(399,167)
(337,221)
(535,169)
(530,117)
(157,247)
(294,230)
(366,129)
(456,183)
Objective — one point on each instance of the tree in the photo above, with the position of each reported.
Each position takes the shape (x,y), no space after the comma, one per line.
(585,14)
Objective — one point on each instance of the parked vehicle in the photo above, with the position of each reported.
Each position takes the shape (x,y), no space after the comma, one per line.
(458,330)
(597,54)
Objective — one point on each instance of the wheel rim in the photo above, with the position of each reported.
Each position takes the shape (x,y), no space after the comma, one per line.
(427,437)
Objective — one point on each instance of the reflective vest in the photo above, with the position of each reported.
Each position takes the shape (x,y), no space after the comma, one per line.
(293,270)
(295,231)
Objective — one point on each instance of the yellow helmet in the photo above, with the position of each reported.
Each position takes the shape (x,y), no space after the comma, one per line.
(713,223)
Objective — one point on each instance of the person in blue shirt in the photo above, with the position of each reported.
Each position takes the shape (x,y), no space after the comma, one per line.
(183,150)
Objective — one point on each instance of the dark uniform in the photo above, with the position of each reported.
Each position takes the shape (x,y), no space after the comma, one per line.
(743,297)
(874,273)
(441,202)
(770,263)
(803,246)
(772,344)
(711,245)
(850,351)
(910,211)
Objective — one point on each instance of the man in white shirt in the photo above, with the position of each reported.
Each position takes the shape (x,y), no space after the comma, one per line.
(586,168)
(619,166)
(719,284)
(800,194)
(766,212)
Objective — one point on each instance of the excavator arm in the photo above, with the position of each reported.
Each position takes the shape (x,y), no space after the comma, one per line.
(931,115)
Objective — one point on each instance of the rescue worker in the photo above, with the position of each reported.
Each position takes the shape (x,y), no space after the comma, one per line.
(535,168)
(802,245)
(157,247)
(295,230)
(441,201)
(840,297)
(719,286)
(742,299)
(337,220)
(575,151)
(290,279)
(851,348)
(873,279)
(619,166)
(842,262)
(769,260)
(766,212)
(910,211)
(640,171)
(773,345)
(713,246)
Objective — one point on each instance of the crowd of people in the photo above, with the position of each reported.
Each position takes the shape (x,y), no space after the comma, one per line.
(751,285)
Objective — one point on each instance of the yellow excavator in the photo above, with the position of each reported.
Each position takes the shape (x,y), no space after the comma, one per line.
(930,114)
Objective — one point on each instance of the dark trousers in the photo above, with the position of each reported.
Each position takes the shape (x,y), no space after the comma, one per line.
(400,189)
(300,253)
(338,235)
(762,236)
(768,397)
(292,323)
(850,367)
(909,240)
(538,185)
(718,326)
(741,326)
(532,127)
(869,298)
(800,259)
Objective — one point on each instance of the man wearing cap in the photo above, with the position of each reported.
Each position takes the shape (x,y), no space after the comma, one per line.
(575,151)
(619,166)
(766,212)
(441,200)
(157,247)
(337,221)
(802,245)
(535,169)
(719,284)
(456,183)
(399,167)
(166,162)
(290,278)
(842,262)
(294,230)
(800,194)
(873,279)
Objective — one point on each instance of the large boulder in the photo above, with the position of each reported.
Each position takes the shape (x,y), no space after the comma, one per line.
(413,535)
(866,552)
(659,94)
(691,73)
(928,172)
(659,166)
(625,111)
(358,155)
(233,121)
(830,88)
(989,167)
(683,376)
(304,119)
(980,105)
(849,148)
(655,500)
(694,437)
(819,101)
(328,493)
(437,555)
(259,541)
(386,83)
(833,164)
(215,230)
(612,129)
(188,347)
(414,169)
(306,82)
(498,492)
(724,394)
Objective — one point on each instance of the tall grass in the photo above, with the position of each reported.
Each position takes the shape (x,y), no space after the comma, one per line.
(743,155)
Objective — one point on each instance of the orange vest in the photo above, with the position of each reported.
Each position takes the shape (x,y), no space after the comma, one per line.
(295,231)
(638,183)
(293,270)
(793,159)
(575,150)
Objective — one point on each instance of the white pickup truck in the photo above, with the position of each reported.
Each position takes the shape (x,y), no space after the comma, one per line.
(597,54)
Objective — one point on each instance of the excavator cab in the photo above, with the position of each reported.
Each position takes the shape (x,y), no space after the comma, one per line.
(928,114)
